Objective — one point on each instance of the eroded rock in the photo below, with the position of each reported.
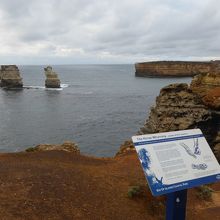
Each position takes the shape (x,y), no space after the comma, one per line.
(212,98)
(203,83)
(66,146)
(10,77)
(125,147)
(177,108)
(52,80)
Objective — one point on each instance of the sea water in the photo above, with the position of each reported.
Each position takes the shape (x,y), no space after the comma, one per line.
(97,106)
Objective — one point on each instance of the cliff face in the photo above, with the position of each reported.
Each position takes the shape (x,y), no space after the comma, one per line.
(178,108)
(183,106)
(10,77)
(173,68)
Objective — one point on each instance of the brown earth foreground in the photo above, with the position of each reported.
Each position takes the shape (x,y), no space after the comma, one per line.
(65,185)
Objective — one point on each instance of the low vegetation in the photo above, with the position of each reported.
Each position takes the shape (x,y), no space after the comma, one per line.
(205,192)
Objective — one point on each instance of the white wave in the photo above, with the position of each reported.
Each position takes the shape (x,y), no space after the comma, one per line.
(62,86)
(34,87)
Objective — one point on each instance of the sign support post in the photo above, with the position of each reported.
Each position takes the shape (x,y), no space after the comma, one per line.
(176,205)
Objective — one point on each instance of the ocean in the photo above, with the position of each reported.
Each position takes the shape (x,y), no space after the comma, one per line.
(98,107)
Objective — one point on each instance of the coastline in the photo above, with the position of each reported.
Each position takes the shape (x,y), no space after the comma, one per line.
(58,182)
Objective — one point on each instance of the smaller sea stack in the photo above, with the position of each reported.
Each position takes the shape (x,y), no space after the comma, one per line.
(52,80)
(10,77)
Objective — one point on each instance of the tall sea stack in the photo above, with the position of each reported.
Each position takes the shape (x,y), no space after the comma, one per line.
(52,80)
(10,77)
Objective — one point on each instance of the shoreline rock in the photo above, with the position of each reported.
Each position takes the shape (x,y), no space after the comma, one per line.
(67,146)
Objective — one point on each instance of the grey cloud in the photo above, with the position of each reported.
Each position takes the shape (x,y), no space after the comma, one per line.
(125,30)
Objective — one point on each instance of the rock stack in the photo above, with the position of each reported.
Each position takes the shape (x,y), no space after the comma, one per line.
(52,80)
(10,77)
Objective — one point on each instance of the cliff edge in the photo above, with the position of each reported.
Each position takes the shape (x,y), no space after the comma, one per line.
(173,68)
(66,185)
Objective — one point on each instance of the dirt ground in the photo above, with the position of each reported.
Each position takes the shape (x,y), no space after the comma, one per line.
(63,185)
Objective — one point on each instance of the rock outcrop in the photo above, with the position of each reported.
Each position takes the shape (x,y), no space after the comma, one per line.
(212,98)
(66,146)
(52,80)
(180,107)
(10,77)
(173,68)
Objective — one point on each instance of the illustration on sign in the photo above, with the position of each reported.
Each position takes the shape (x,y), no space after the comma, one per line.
(173,161)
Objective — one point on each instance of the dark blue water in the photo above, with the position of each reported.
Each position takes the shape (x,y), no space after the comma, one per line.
(102,106)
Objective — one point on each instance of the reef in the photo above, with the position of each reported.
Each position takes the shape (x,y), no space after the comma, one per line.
(173,68)
(52,80)
(10,77)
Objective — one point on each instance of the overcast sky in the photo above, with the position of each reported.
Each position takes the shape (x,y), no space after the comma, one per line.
(108,31)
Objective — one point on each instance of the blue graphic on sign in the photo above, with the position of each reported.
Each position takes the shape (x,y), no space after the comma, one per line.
(153,180)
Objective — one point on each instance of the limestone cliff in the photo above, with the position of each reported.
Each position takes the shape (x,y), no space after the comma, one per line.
(173,68)
(10,77)
(52,80)
(178,108)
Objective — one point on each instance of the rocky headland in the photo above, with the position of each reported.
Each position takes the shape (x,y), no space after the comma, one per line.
(10,77)
(173,68)
(182,106)
(52,80)
(57,182)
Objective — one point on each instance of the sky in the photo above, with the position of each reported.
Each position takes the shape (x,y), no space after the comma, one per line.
(108,31)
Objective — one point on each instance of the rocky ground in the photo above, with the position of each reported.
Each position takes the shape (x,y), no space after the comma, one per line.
(66,185)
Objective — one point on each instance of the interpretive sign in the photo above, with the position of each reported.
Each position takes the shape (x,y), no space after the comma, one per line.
(174,161)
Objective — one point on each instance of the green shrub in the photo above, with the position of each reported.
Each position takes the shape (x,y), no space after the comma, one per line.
(205,192)
(30,149)
(134,191)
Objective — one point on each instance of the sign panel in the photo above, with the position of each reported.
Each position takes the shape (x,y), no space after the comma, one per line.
(174,161)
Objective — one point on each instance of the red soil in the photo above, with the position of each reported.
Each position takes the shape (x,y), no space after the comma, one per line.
(62,185)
